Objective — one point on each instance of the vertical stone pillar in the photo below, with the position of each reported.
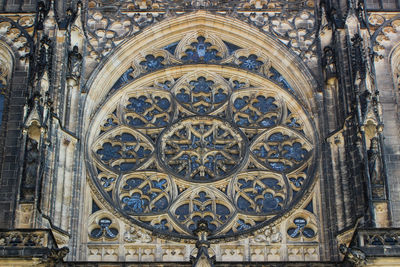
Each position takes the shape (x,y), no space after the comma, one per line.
(73,103)
(59,190)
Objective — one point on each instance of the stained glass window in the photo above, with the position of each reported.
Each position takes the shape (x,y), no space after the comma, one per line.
(202,142)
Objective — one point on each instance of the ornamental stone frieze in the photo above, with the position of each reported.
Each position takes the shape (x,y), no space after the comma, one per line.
(108,24)
(16,36)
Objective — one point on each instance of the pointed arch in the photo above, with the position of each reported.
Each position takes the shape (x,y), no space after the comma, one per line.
(172,30)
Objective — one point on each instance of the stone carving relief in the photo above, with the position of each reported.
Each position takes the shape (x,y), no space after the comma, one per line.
(74,63)
(353,255)
(374,164)
(16,36)
(31,163)
(109,23)
(135,234)
(44,60)
(385,29)
(270,235)
(22,239)
(32,158)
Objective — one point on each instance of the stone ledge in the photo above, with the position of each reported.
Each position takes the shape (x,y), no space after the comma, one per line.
(217,264)
(378,242)
(30,244)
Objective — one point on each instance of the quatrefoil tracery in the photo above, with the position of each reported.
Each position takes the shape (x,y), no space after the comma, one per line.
(202,148)
(158,144)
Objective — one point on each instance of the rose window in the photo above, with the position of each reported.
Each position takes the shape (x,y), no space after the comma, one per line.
(202,148)
(202,143)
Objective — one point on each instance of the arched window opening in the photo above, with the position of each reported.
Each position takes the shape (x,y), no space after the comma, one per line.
(222,138)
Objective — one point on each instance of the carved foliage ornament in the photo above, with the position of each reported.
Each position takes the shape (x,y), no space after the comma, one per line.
(16,37)
(201,146)
(109,23)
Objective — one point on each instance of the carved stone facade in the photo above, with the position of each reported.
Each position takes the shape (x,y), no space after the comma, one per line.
(199,133)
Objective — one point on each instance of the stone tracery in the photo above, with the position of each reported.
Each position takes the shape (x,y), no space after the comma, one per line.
(249,147)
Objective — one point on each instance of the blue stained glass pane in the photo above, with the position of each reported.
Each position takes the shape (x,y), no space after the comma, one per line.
(96,233)
(134,203)
(124,79)
(220,96)
(135,121)
(240,103)
(231,47)
(152,63)
(276,76)
(111,232)
(242,225)
(162,225)
(160,185)
(201,51)
(295,152)
(270,202)
(297,182)
(105,222)
(202,197)
(293,232)
(163,103)
(183,96)
(126,166)
(250,62)
(109,152)
(300,222)
(308,232)
(132,183)
(243,204)
(272,183)
(182,212)
(268,122)
(245,184)
(279,166)
(222,211)
(262,152)
(171,47)
(160,204)
(107,181)
(277,137)
(265,104)
(138,105)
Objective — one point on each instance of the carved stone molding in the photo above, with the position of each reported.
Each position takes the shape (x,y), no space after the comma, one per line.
(16,37)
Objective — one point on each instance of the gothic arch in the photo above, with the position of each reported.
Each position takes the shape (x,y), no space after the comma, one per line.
(158,65)
(168,31)
(16,37)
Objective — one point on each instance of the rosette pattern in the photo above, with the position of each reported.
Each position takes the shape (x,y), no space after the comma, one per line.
(198,142)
